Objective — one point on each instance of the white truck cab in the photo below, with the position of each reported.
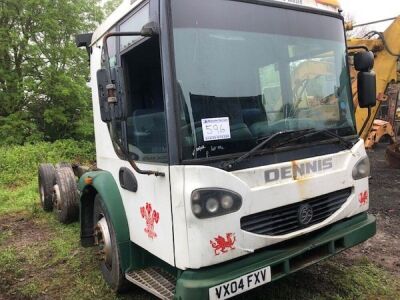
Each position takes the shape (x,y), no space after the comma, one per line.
(226,144)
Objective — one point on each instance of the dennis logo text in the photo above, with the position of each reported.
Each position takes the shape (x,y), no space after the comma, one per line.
(298,170)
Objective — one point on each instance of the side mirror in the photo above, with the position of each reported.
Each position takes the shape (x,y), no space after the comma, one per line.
(366,87)
(84,40)
(364,61)
(112,97)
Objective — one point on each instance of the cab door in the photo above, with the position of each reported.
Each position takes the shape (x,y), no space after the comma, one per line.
(148,206)
(143,134)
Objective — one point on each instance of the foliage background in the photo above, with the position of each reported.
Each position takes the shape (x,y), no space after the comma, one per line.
(43,75)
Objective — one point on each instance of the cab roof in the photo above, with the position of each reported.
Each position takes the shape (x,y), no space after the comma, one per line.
(128,5)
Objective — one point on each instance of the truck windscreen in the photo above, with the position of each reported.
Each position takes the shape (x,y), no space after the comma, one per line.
(246,71)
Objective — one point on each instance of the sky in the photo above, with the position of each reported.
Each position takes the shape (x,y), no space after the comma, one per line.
(365,11)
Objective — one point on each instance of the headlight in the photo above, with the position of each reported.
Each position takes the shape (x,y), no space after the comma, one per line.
(227,202)
(362,169)
(212,205)
(208,203)
(196,209)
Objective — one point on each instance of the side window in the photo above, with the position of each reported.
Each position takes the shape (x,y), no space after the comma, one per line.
(146,125)
(134,23)
(112,51)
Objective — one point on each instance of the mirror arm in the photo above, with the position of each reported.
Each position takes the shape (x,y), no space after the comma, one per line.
(105,44)
(128,33)
(144,172)
(134,165)
(366,121)
(147,31)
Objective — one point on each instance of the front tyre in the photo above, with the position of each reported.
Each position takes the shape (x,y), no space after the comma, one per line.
(107,247)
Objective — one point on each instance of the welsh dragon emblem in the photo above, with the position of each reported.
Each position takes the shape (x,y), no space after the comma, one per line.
(363,198)
(152,217)
(223,245)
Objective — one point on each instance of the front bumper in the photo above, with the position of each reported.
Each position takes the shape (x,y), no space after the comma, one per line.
(283,258)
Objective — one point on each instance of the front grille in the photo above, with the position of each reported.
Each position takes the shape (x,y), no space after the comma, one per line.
(285,219)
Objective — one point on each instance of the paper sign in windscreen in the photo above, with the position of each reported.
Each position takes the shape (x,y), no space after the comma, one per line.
(216,129)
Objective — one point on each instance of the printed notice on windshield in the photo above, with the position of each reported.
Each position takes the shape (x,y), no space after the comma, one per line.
(216,129)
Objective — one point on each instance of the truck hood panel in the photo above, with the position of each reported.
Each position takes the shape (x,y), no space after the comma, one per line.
(215,240)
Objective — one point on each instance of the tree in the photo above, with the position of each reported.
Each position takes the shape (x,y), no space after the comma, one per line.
(43,75)
(110,6)
(358,32)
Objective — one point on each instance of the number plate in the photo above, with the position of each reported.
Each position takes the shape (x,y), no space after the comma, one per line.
(216,129)
(240,285)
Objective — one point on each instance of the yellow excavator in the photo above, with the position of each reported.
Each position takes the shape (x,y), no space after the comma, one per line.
(382,118)
(386,49)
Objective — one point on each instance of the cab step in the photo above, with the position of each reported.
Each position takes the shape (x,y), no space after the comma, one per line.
(154,280)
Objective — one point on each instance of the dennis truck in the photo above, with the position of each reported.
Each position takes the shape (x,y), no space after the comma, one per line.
(222,163)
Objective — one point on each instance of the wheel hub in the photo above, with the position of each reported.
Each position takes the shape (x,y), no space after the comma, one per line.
(57,198)
(103,241)
(42,194)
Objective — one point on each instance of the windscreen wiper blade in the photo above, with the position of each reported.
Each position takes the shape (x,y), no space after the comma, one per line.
(312,132)
(342,140)
(263,142)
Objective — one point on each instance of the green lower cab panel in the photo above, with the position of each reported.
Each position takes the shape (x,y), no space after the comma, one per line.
(277,260)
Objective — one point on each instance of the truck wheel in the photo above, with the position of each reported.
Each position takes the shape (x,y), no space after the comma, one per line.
(107,248)
(46,176)
(66,196)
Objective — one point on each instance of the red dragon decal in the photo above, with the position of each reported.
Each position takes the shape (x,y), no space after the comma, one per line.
(223,245)
(152,217)
(363,198)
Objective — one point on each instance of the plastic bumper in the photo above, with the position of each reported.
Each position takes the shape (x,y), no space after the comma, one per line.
(283,258)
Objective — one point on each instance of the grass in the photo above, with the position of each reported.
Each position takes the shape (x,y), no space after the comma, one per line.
(40,258)
(48,260)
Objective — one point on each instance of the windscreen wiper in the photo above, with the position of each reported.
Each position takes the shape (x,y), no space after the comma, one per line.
(312,132)
(263,142)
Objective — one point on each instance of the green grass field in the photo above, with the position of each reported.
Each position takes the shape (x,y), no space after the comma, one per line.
(40,258)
